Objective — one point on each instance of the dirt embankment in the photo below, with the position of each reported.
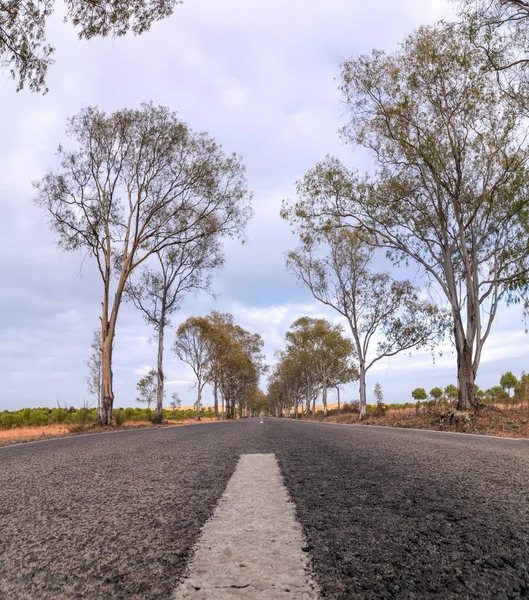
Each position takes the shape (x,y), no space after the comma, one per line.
(503,421)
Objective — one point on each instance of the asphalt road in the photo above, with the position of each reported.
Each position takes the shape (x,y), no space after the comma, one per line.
(386,513)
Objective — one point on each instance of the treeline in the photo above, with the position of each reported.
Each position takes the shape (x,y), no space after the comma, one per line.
(226,357)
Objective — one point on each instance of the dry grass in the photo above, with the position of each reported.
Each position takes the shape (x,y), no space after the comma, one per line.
(512,422)
(30,434)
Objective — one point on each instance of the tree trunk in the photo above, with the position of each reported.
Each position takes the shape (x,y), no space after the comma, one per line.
(296,407)
(338,393)
(105,414)
(465,377)
(160,387)
(307,400)
(216,399)
(222,399)
(363,398)
(199,398)
(324,397)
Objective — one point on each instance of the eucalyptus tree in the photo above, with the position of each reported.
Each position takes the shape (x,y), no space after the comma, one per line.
(191,346)
(499,28)
(241,366)
(147,388)
(450,194)
(159,292)
(23,46)
(94,363)
(331,353)
(137,183)
(335,265)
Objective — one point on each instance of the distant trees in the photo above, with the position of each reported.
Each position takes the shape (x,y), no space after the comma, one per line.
(451,189)
(138,183)
(147,388)
(508,382)
(419,394)
(436,393)
(225,355)
(23,46)
(451,392)
(377,392)
(317,356)
(335,265)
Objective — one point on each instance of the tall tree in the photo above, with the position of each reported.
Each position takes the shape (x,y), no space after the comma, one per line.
(336,267)
(451,191)
(94,363)
(191,346)
(23,46)
(159,292)
(139,182)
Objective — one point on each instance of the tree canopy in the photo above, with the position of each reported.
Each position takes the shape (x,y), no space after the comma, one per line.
(23,46)
(450,193)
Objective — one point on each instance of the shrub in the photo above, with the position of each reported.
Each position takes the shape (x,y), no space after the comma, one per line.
(7,420)
(120,416)
(155,418)
(60,415)
(37,417)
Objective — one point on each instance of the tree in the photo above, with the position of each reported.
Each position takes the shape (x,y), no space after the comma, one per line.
(436,393)
(451,392)
(379,396)
(496,393)
(451,191)
(508,382)
(500,29)
(419,394)
(176,402)
(159,293)
(94,364)
(138,183)
(191,347)
(335,266)
(147,388)
(23,46)
(331,353)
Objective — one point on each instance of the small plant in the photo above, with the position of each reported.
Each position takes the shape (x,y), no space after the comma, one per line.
(120,417)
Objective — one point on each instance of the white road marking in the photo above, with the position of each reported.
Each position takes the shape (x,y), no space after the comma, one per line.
(251,547)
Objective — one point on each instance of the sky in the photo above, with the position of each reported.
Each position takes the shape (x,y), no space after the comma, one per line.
(262,79)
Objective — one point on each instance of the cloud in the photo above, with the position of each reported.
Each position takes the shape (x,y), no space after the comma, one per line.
(260,78)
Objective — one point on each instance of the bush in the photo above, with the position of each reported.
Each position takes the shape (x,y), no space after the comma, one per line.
(156,418)
(120,416)
(7,420)
(37,417)
(60,415)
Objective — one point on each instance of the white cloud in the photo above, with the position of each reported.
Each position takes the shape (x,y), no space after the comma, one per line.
(262,80)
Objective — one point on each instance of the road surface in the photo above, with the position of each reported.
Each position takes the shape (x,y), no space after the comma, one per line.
(382,513)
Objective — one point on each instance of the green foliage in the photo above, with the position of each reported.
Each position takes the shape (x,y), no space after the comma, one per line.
(379,396)
(419,394)
(436,393)
(23,46)
(120,416)
(451,392)
(508,381)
